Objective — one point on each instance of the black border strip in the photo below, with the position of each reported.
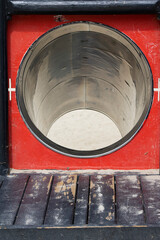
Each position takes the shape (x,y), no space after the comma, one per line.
(94,233)
(3,92)
(80,6)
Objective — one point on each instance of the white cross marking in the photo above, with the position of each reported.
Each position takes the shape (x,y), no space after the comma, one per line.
(158,89)
(10,90)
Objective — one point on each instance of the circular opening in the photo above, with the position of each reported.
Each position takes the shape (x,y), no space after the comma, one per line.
(84,130)
(84,89)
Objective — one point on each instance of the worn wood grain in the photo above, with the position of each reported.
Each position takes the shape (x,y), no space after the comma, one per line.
(81,207)
(102,200)
(151,197)
(61,204)
(88,201)
(129,201)
(33,206)
(10,197)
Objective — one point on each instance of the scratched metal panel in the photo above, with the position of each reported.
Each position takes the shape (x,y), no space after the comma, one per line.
(139,153)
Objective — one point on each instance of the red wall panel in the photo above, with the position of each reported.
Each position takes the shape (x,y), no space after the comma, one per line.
(26,152)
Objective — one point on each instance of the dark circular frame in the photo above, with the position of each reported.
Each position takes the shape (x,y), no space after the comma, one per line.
(79,153)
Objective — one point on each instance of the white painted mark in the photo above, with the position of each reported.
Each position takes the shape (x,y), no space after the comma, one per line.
(10,90)
(100,208)
(158,89)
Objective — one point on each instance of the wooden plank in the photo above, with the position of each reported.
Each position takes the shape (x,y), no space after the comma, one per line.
(61,204)
(129,201)
(81,208)
(33,206)
(102,200)
(11,194)
(151,197)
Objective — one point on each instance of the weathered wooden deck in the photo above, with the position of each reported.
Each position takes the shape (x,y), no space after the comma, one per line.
(40,206)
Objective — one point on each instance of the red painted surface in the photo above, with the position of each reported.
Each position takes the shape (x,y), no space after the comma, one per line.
(26,152)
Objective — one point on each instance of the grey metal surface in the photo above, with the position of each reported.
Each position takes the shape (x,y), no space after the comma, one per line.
(81,6)
(84,66)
